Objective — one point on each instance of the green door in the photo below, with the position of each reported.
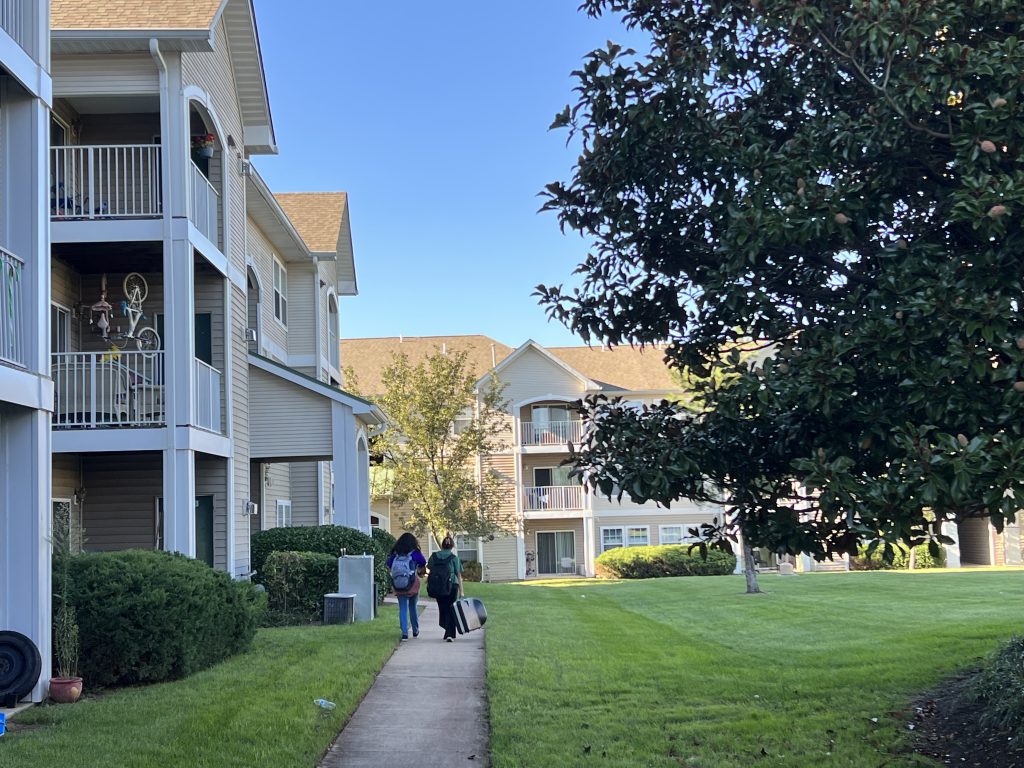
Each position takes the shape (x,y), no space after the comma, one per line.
(204,529)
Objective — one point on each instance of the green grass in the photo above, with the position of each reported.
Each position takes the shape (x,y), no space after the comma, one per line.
(255,709)
(691,672)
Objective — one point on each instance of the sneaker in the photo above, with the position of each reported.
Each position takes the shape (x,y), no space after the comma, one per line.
(449,639)
(415,633)
(405,637)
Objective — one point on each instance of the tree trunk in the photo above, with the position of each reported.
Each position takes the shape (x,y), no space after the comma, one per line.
(750,569)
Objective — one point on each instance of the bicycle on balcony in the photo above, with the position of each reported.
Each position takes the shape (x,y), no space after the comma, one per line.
(144,339)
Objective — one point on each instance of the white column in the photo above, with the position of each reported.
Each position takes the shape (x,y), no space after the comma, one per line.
(180,501)
(346,475)
(25,531)
(949,528)
(588,544)
(739,554)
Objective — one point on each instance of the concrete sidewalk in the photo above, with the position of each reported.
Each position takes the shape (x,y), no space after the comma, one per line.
(427,706)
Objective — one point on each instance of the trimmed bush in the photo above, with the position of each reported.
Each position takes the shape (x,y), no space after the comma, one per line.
(472,570)
(1000,688)
(901,561)
(296,583)
(146,616)
(326,539)
(666,560)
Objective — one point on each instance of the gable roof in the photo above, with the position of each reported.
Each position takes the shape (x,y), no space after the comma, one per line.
(133,14)
(627,368)
(368,357)
(530,344)
(316,216)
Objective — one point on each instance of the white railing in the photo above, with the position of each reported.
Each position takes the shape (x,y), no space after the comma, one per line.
(538,498)
(105,181)
(12,20)
(108,389)
(208,396)
(12,318)
(203,203)
(550,432)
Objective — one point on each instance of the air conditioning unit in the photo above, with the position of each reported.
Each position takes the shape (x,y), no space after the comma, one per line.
(252,508)
(250,335)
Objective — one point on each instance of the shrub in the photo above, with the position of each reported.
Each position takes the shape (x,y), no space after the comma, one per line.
(472,570)
(1000,688)
(296,583)
(326,539)
(146,616)
(666,560)
(901,560)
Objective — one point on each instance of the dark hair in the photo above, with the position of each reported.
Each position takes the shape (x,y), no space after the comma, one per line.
(447,543)
(406,543)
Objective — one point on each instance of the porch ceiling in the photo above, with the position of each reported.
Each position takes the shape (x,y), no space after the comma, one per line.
(89,258)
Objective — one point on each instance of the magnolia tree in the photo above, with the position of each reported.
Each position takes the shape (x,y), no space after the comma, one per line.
(438,425)
(843,182)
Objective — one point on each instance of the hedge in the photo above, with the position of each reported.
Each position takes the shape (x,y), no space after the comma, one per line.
(472,570)
(328,540)
(666,560)
(901,560)
(1000,689)
(146,616)
(296,583)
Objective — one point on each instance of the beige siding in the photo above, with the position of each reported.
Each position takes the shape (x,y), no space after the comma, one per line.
(122,488)
(499,561)
(287,419)
(209,299)
(301,294)
(106,74)
(305,507)
(211,480)
(66,290)
(67,475)
(279,489)
(262,254)
(534,375)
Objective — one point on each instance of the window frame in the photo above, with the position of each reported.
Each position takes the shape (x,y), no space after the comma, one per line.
(284,513)
(60,315)
(647,535)
(280,293)
(622,537)
(684,537)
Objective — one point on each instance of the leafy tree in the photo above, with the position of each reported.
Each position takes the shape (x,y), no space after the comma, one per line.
(842,181)
(438,424)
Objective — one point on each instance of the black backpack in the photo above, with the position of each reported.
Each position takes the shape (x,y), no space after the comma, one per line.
(441,579)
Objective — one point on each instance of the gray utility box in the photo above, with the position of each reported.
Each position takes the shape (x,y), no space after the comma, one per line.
(339,608)
(355,577)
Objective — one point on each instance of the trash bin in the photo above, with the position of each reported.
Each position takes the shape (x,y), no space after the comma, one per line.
(339,608)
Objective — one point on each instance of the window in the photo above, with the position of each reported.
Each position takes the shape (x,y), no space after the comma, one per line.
(463,420)
(465,548)
(60,329)
(284,513)
(611,538)
(333,331)
(624,536)
(673,534)
(280,293)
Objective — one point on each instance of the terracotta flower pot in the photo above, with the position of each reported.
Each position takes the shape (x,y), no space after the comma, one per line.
(65,690)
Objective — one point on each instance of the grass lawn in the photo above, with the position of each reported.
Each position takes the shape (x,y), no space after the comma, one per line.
(691,672)
(255,709)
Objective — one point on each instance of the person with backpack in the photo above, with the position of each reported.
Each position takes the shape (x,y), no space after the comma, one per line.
(404,564)
(444,584)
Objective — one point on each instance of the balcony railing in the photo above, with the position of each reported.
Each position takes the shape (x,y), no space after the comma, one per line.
(12,317)
(550,432)
(208,382)
(119,181)
(541,498)
(12,20)
(203,203)
(108,389)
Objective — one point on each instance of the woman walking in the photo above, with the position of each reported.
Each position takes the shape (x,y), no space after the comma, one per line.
(444,584)
(404,563)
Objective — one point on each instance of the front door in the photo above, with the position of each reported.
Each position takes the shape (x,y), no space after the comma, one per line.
(204,529)
(556,552)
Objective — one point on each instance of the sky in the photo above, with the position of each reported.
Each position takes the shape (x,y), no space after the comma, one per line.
(434,118)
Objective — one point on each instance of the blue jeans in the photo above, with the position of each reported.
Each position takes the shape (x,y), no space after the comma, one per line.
(407,611)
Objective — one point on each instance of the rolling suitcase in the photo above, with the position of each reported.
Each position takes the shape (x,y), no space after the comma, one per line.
(470,614)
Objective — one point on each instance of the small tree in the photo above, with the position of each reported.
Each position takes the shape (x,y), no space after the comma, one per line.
(439,424)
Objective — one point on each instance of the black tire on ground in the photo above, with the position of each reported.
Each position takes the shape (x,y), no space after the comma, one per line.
(20,664)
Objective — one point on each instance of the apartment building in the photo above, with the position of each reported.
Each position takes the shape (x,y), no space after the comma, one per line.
(26,394)
(553,526)
(194,314)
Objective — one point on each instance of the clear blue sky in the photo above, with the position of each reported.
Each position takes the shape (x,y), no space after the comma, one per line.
(433,117)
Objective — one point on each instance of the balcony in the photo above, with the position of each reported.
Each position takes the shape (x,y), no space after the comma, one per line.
(108,389)
(551,498)
(12,329)
(209,387)
(113,181)
(550,433)
(203,203)
(13,20)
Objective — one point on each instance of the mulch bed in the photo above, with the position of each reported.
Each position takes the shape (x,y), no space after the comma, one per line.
(946,726)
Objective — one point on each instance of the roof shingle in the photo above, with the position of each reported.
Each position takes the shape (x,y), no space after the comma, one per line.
(133,14)
(316,216)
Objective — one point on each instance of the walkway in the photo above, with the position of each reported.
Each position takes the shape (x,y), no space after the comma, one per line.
(445,723)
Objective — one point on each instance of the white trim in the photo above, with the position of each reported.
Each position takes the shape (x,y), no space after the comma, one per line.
(684,537)
(625,536)
(276,266)
(284,518)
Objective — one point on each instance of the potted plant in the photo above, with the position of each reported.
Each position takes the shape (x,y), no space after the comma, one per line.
(66,687)
(203,144)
